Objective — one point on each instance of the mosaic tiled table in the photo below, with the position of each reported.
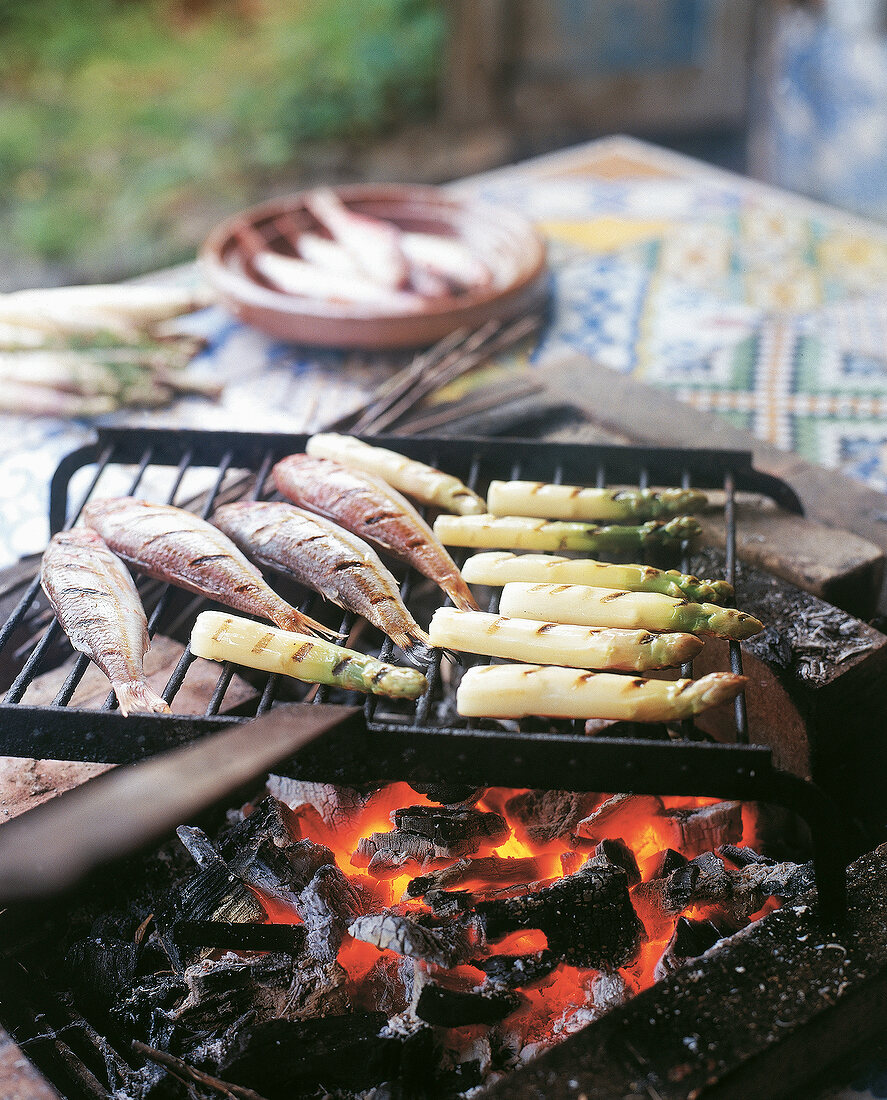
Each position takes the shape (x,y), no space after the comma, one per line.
(742,300)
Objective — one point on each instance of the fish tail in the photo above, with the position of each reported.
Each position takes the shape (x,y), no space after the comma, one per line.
(304,624)
(138,696)
(462,599)
(416,646)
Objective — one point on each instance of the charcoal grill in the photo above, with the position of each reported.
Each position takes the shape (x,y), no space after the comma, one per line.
(413,742)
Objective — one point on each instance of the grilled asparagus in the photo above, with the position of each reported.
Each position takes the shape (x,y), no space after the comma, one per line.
(498,567)
(525,533)
(221,637)
(587,606)
(517,691)
(536,498)
(555,644)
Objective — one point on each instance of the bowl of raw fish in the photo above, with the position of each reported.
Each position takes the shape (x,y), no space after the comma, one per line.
(375,266)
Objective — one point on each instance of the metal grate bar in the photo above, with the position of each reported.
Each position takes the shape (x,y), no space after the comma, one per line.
(739,706)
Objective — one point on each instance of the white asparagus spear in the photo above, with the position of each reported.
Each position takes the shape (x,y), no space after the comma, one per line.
(498,567)
(325,253)
(490,532)
(114,307)
(517,691)
(221,637)
(555,644)
(587,606)
(310,281)
(414,478)
(546,501)
(447,256)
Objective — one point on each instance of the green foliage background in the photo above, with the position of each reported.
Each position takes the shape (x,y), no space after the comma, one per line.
(121,121)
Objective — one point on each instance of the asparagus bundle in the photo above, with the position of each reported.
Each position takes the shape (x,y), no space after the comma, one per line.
(496,568)
(554,644)
(417,480)
(221,637)
(536,498)
(525,533)
(587,606)
(517,691)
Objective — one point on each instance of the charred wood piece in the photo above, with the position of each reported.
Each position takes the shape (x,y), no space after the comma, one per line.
(286,938)
(449,903)
(549,815)
(103,965)
(741,856)
(398,843)
(145,1008)
(587,917)
(487,871)
(456,1008)
(222,991)
(516,971)
(263,850)
(618,813)
(385,864)
(738,894)
(449,794)
(619,854)
(336,806)
(688,941)
(667,861)
(609,990)
(281,1059)
(706,828)
(444,945)
(327,905)
(460,830)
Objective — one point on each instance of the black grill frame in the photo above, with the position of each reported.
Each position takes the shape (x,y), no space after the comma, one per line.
(414,746)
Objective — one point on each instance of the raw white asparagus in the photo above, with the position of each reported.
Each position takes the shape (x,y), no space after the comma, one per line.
(221,637)
(546,501)
(416,479)
(556,644)
(310,281)
(517,691)
(498,567)
(586,606)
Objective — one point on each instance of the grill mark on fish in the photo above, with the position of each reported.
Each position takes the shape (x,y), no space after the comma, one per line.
(204,558)
(342,566)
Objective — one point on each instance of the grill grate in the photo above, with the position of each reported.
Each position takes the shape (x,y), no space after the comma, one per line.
(427,738)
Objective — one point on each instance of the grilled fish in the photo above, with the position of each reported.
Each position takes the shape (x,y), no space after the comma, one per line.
(339,565)
(369,508)
(99,609)
(173,545)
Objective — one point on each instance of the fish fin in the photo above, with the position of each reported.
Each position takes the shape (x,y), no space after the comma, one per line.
(465,602)
(140,697)
(416,647)
(304,624)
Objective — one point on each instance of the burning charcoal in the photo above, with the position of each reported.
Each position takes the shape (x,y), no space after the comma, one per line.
(461,830)
(704,829)
(449,794)
(688,941)
(609,990)
(446,945)
(571,862)
(619,811)
(454,1008)
(739,894)
(742,857)
(327,905)
(263,852)
(587,917)
(288,938)
(667,861)
(409,845)
(144,1010)
(103,965)
(516,971)
(448,903)
(549,815)
(281,1059)
(499,870)
(620,855)
(385,864)
(383,988)
(337,806)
